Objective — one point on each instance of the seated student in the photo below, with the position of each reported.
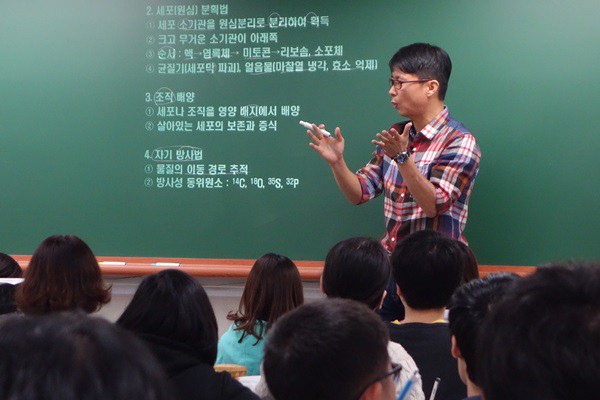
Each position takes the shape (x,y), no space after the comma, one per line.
(63,275)
(427,268)
(359,269)
(70,356)
(334,349)
(273,288)
(172,314)
(542,340)
(9,268)
(469,306)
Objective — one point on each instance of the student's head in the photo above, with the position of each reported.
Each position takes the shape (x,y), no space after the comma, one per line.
(71,356)
(329,349)
(542,340)
(471,269)
(171,304)
(9,267)
(273,288)
(469,306)
(63,274)
(357,269)
(424,61)
(427,267)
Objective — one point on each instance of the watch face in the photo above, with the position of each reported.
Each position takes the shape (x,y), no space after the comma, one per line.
(401,158)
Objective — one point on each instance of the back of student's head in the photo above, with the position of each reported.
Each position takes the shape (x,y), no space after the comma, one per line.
(9,268)
(542,340)
(172,305)
(273,288)
(426,61)
(469,306)
(327,349)
(427,267)
(357,269)
(72,356)
(63,274)
(470,267)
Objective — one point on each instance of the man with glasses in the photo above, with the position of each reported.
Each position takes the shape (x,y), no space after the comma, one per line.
(426,165)
(334,349)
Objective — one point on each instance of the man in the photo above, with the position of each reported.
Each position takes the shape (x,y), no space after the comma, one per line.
(334,349)
(468,308)
(542,340)
(425,166)
(428,267)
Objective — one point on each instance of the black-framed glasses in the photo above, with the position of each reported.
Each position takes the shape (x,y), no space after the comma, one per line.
(395,372)
(397,83)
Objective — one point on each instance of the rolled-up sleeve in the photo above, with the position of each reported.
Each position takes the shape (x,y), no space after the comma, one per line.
(454,172)
(371,178)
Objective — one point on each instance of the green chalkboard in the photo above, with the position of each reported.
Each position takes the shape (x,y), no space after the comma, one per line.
(170,128)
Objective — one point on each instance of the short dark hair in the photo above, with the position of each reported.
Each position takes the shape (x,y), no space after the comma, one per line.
(428,267)
(173,305)
(542,340)
(357,269)
(273,287)
(9,268)
(63,274)
(71,356)
(470,269)
(326,349)
(426,61)
(469,306)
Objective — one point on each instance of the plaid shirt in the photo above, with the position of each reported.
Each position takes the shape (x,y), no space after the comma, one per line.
(447,154)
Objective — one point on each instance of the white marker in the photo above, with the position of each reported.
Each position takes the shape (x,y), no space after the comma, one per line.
(121,263)
(309,126)
(165,264)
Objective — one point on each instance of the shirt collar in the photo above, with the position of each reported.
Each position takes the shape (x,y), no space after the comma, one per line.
(433,127)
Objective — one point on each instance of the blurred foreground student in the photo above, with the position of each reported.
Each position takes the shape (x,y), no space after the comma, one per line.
(333,349)
(273,288)
(172,314)
(63,275)
(469,306)
(64,356)
(542,340)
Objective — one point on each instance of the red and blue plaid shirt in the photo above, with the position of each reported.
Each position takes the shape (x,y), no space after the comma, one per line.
(447,154)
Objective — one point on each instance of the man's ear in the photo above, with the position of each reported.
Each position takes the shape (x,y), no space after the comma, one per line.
(455,350)
(432,88)
(373,392)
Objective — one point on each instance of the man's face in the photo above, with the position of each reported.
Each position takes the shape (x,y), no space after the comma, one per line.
(410,99)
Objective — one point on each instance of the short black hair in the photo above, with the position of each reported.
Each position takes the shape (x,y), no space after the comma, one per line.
(427,267)
(71,356)
(173,305)
(426,61)
(9,268)
(326,349)
(542,340)
(469,306)
(358,269)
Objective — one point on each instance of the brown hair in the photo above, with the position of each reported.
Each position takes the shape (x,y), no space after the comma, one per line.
(273,288)
(63,274)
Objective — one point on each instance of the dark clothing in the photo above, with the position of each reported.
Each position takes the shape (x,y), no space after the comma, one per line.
(392,308)
(190,376)
(429,345)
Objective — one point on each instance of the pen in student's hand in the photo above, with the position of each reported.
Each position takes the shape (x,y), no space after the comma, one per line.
(435,388)
(408,386)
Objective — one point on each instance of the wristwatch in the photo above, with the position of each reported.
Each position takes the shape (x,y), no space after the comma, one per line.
(402,157)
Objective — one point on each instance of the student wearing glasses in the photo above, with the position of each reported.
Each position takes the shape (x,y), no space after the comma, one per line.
(333,349)
(425,165)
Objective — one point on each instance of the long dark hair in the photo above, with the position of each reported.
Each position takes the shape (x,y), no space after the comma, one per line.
(273,288)
(63,275)
(172,305)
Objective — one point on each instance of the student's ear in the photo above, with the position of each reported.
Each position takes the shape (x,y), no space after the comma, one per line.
(455,350)
(373,392)
(398,290)
(382,298)
(321,284)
